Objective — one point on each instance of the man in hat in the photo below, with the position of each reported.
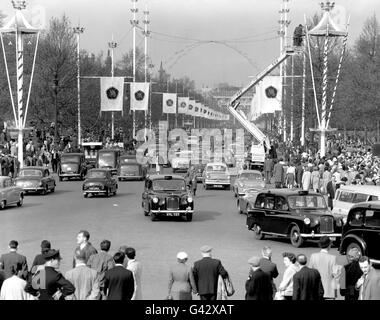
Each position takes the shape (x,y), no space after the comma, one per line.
(84,245)
(259,284)
(48,283)
(326,264)
(13,259)
(39,259)
(206,272)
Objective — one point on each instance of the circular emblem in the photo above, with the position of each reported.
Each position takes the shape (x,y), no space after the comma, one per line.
(196,109)
(183,104)
(271,92)
(139,95)
(169,103)
(112,93)
(204,111)
(190,107)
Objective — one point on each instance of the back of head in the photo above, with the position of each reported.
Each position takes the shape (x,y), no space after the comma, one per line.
(119,257)
(301,259)
(105,245)
(130,253)
(80,256)
(45,246)
(13,244)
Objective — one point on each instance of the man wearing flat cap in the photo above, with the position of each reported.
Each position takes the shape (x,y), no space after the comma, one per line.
(48,283)
(206,272)
(259,284)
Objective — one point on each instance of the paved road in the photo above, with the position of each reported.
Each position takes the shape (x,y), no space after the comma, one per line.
(60,215)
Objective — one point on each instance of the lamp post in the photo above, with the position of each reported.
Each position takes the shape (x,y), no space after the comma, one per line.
(78,30)
(112,45)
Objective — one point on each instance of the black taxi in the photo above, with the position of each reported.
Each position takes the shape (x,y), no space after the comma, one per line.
(72,165)
(131,169)
(362,230)
(298,215)
(99,182)
(167,196)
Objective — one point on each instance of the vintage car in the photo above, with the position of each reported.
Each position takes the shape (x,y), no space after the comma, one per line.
(216,175)
(10,194)
(167,196)
(35,179)
(298,215)
(72,165)
(246,201)
(99,182)
(181,161)
(248,179)
(131,169)
(362,230)
(108,159)
(91,150)
(199,171)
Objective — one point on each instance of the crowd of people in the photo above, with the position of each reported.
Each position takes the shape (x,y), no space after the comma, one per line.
(97,275)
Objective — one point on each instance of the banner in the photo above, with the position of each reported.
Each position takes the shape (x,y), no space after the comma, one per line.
(183,104)
(139,95)
(205,112)
(169,103)
(197,109)
(111,93)
(191,107)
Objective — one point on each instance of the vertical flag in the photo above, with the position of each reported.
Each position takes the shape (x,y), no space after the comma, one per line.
(112,91)
(271,92)
(183,104)
(139,95)
(169,103)
(191,108)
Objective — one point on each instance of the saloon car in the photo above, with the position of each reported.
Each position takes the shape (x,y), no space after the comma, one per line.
(216,175)
(248,179)
(131,169)
(199,168)
(298,215)
(108,159)
(73,165)
(362,230)
(167,196)
(181,161)
(99,182)
(35,179)
(246,201)
(10,194)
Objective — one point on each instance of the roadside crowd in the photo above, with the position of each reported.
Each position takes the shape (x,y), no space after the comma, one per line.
(100,276)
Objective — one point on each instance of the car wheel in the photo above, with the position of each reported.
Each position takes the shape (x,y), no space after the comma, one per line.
(85,195)
(2,205)
(258,232)
(153,217)
(205,186)
(119,179)
(238,207)
(189,216)
(60,178)
(20,201)
(114,193)
(146,213)
(228,187)
(52,190)
(353,245)
(107,193)
(295,237)
(235,194)
(44,191)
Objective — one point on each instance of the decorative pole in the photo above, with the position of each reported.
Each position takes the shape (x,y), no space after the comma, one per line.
(303,98)
(112,45)
(78,30)
(134,23)
(146,35)
(292,103)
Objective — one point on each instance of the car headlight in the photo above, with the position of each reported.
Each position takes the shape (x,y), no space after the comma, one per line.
(207,176)
(40,184)
(155,200)
(189,199)
(306,221)
(316,221)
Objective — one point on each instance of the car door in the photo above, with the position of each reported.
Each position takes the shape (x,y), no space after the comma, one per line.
(371,234)
(259,214)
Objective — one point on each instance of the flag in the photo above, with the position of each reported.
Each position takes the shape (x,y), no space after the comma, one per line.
(169,103)
(197,109)
(271,92)
(183,104)
(191,108)
(205,112)
(139,95)
(111,93)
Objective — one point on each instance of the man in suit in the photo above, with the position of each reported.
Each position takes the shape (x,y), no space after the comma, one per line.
(278,173)
(330,189)
(13,259)
(369,283)
(259,284)
(307,284)
(136,268)
(84,245)
(84,279)
(268,266)
(325,263)
(206,272)
(39,259)
(268,168)
(118,281)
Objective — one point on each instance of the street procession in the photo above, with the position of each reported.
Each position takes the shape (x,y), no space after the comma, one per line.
(190,150)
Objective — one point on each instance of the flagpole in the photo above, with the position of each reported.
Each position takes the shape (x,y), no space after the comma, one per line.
(176,115)
(146,34)
(134,23)
(78,30)
(112,45)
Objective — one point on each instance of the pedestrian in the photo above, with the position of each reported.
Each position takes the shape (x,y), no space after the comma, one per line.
(290,176)
(307,284)
(268,168)
(206,272)
(54,159)
(101,262)
(259,285)
(351,273)
(39,259)
(306,179)
(84,279)
(330,189)
(326,264)
(369,283)
(278,173)
(286,286)
(48,283)
(268,266)
(84,245)
(13,288)
(13,259)
(315,179)
(326,177)
(181,279)
(299,173)
(136,268)
(118,281)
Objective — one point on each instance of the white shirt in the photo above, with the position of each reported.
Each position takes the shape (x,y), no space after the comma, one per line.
(13,289)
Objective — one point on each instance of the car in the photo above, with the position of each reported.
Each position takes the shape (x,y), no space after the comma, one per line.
(10,194)
(297,215)
(36,179)
(72,165)
(167,196)
(216,175)
(362,230)
(246,200)
(99,182)
(108,159)
(91,150)
(131,169)
(199,171)
(181,161)
(248,179)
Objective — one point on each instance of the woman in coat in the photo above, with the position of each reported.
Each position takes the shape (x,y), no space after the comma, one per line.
(181,279)
(315,179)
(306,179)
(286,285)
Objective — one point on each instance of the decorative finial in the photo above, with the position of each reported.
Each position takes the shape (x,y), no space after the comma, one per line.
(328,6)
(19,4)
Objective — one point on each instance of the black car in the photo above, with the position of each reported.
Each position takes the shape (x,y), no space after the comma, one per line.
(72,165)
(99,182)
(131,169)
(167,196)
(298,215)
(362,230)
(108,159)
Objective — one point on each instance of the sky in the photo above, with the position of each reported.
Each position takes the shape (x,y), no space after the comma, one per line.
(209,41)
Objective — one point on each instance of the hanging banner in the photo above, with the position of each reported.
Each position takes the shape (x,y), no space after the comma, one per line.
(205,112)
(169,103)
(111,93)
(191,107)
(197,109)
(271,93)
(183,104)
(139,95)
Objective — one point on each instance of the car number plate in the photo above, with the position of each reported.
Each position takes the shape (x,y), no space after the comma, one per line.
(218,186)
(172,214)
(94,188)
(333,238)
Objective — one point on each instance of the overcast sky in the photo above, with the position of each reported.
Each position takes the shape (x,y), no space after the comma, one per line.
(253,22)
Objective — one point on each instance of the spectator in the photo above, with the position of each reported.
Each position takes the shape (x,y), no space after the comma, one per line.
(84,245)
(286,286)
(331,188)
(306,179)
(278,173)
(268,266)
(13,259)
(13,288)
(369,282)
(136,268)
(259,285)
(351,273)
(315,179)
(39,259)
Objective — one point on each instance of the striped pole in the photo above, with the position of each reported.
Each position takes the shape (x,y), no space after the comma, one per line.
(324,97)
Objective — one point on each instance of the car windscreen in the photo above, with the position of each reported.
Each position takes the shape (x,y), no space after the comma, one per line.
(106,159)
(96,174)
(307,202)
(75,159)
(30,172)
(251,176)
(169,185)
(216,168)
